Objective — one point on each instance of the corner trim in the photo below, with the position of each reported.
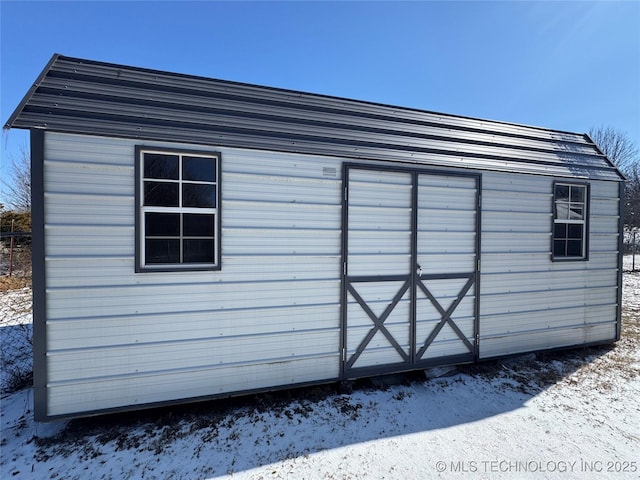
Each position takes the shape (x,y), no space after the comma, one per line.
(620,259)
(40,373)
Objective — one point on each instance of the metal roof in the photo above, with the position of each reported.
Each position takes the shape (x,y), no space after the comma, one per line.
(96,98)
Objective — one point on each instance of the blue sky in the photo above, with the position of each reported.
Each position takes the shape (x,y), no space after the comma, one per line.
(562,65)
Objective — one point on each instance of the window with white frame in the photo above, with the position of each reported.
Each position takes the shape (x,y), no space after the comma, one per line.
(178,217)
(570,212)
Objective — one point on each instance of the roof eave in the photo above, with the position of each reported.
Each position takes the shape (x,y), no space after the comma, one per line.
(16,113)
(613,165)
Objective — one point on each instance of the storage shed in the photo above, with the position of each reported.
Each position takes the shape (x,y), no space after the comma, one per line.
(196,238)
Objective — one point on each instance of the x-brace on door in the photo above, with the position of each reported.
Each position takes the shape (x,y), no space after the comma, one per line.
(410,281)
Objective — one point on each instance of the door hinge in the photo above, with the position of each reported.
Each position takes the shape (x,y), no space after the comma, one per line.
(344,354)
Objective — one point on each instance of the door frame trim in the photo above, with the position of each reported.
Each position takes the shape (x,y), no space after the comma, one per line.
(415,171)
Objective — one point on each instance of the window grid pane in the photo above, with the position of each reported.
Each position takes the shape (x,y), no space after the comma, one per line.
(569,221)
(179,208)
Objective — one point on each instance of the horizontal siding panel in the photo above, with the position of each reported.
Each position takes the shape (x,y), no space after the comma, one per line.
(379,218)
(451,263)
(515,183)
(516,242)
(605,189)
(540,262)
(111,331)
(384,179)
(89,210)
(442,199)
(278,164)
(120,301)
(445,290)
(551,338)
(98,271)
(446,242)
(89,364)
(378,291)
(279,215)
(378,243)
(92,241)
(546,281)
(379,263)
(379,196)
(240,241)
(377,356)
(522,323)
(78,397)
(505,201)
(603,242)
(88,151)
(441,349)
(604,206)
(500,222)
(603,224)
(280,189)
(89,179)
(531,301)
(435,220)
(446,184)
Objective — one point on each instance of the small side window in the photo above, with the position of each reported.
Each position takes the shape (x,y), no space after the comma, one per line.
(178,211)
(570,213)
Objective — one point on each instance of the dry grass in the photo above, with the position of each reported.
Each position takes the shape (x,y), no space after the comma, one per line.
(14,282)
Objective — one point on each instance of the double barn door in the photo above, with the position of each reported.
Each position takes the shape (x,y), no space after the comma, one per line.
(410,280)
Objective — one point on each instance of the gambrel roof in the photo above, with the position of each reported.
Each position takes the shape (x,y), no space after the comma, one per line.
(95,98)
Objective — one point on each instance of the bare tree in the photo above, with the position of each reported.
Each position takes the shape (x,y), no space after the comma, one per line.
(632,196)
(17,185)
(621,150)
(617,146)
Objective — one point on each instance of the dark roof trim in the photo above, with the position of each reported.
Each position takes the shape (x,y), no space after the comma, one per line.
(31,91)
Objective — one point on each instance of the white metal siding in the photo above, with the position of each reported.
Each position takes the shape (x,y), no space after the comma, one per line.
(270,317)
(527,301)
(446,244)
(379,229)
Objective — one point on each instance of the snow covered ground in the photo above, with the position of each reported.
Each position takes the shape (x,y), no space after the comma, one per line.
(15,338)
(567,415)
